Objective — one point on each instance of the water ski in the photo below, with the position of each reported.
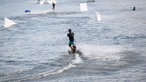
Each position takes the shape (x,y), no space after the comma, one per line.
(73,49)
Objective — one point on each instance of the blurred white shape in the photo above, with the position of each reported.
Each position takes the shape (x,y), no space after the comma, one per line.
(8,22)
(98,16)
(83,7)
(42,2)
(51,1)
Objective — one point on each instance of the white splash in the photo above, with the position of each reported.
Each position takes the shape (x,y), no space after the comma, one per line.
(77,59)
(106,52)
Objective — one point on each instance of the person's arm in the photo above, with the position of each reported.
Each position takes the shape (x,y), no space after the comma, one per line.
(73,34)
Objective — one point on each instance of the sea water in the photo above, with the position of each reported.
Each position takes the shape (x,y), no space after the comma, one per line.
(36,48)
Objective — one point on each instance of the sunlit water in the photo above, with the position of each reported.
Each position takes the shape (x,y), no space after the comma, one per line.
(36,48)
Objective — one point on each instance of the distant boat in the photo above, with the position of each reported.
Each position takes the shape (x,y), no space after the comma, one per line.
(46,1)
(90,0)
(8,22)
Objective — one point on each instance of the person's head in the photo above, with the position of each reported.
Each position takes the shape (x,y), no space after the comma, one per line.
(69,30)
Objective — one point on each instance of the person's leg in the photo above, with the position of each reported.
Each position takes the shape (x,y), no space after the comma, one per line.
(71,43)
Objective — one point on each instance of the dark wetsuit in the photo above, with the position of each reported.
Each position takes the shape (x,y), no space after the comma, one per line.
(53,6)
(71,38)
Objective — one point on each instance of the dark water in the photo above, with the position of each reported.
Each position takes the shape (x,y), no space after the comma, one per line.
(36,48)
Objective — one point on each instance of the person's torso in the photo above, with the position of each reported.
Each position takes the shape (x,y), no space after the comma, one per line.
(71,36)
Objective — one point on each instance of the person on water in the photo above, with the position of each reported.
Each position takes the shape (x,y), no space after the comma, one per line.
(71,41)
(53,6)
(134,8)
(71,37)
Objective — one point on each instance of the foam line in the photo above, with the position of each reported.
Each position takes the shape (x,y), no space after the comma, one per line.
(77,60)
(57,71)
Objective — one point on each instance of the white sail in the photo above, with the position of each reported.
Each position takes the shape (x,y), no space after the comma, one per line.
(8,22)
(98,16)
(83,7)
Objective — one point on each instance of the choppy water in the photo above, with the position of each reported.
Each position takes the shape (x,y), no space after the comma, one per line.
(36,48)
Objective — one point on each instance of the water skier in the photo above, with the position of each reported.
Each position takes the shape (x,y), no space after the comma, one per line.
(134,8)
(53,6)
(71,40)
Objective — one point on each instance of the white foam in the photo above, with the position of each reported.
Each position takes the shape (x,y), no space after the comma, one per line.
(77,59)
(57,71)
(8,22)
(65,68)
(103,52)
